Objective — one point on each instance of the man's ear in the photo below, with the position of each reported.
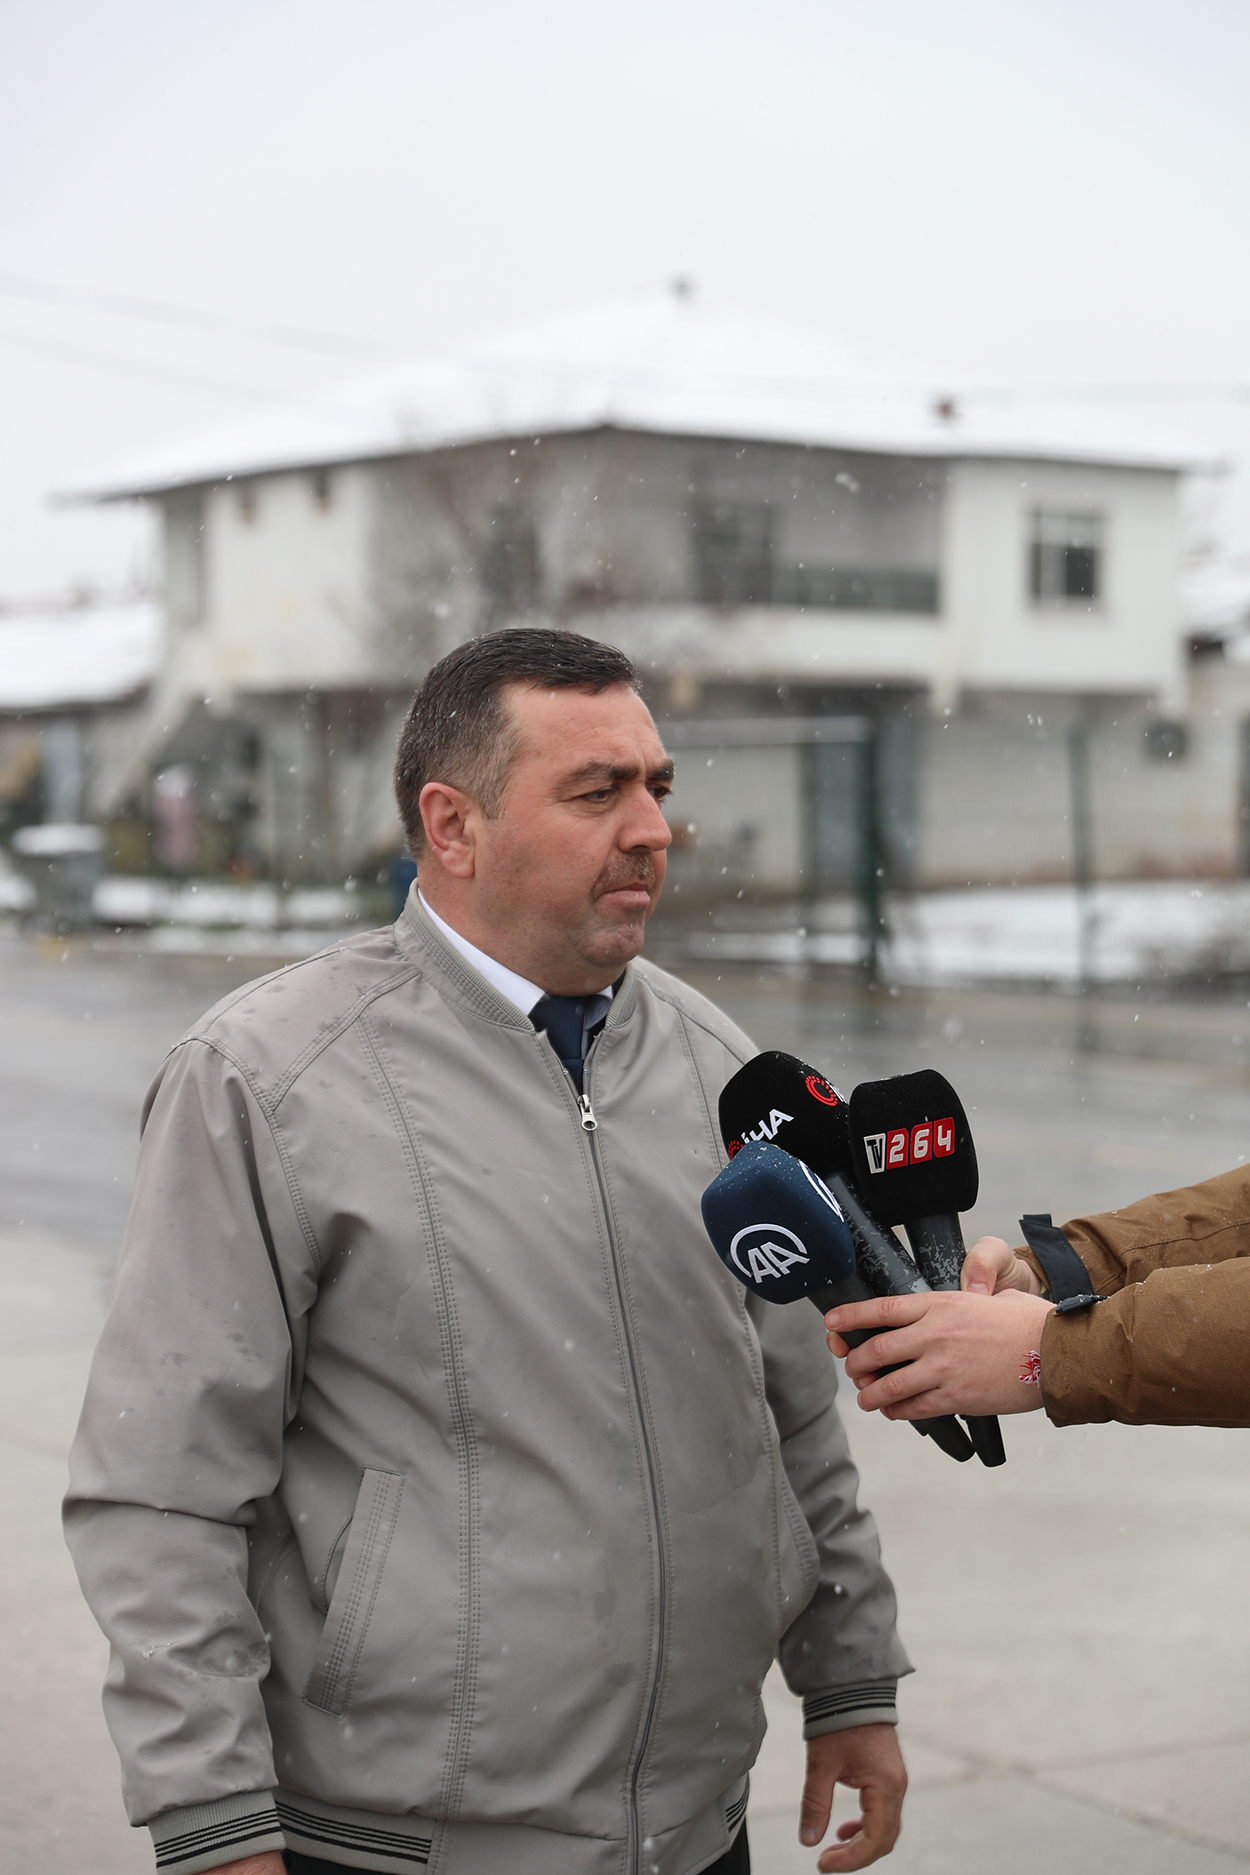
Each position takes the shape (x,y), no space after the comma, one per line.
(449,817)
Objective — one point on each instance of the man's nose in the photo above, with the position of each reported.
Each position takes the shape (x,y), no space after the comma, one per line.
(645,825)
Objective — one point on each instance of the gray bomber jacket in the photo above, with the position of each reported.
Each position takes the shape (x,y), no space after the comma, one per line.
(443,1499)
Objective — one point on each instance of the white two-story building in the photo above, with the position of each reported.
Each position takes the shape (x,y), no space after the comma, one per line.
(783,534)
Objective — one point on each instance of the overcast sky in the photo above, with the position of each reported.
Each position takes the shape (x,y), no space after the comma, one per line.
(1022,191)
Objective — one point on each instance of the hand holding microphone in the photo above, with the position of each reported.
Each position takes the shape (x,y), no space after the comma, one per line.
(970,1354)
(992,1266)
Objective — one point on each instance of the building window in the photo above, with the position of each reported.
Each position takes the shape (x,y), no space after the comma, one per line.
(1065,558)
(733,552)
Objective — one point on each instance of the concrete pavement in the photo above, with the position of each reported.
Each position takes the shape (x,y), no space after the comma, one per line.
(1082,1700)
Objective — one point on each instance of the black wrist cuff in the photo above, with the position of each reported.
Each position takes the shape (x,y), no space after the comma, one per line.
(1066,1276)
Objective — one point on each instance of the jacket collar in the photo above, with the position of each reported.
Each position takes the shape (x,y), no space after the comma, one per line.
(419,937)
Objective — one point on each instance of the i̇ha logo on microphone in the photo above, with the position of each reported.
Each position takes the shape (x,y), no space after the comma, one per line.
(757,1254)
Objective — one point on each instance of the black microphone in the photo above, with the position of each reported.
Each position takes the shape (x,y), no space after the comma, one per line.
(779,1230)
(913,1154)
(777,1099)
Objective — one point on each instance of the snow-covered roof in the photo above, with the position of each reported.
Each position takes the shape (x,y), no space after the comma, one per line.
(661,362)
(1215,594)
(84,655)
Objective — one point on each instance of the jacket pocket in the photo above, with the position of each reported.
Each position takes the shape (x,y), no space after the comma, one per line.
(800,1559)
(329,1684)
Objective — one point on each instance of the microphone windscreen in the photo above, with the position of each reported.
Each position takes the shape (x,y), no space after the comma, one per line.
(780,1099)
(775,1226)
(912,1147)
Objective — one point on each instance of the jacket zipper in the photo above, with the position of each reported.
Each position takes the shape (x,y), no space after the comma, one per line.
(590,1125)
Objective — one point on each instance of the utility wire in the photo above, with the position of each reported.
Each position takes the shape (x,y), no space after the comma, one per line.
(93,359)
(1177,393)
(163,312)
(166,312)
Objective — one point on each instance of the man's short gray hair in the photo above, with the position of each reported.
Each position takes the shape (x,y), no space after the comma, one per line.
(459,729)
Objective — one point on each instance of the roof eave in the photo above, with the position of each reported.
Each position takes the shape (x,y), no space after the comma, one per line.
(948,447)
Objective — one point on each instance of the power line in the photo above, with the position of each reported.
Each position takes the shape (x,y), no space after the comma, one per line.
(233,325)
(93,359)
(191,318)
(164,312)
(1162,393)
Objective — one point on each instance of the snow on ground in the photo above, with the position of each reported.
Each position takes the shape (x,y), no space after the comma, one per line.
(1146,931)
(1022,933)
(121,900)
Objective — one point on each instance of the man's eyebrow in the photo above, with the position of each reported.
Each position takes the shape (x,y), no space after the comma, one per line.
(617,771)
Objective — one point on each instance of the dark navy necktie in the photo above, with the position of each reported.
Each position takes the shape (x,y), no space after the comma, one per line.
(564,1018)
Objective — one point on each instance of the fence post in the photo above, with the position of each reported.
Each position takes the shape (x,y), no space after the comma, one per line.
(1082,848)
(868,798)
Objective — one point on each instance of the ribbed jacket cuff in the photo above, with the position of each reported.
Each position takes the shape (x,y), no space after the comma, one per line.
(838,1708)
(205,1835)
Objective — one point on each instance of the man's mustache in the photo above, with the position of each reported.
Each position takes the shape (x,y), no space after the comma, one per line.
(626,872)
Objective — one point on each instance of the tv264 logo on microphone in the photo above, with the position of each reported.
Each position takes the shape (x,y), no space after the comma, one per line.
(909,1145)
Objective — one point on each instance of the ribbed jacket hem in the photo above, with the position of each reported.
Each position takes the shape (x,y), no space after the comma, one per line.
(838,1708)
(356,1838)
(205,1835)
(405,1844)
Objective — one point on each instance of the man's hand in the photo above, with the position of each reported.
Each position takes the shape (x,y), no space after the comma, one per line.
(992,1266)
(270,1863)
(866,1758)
(974,1354)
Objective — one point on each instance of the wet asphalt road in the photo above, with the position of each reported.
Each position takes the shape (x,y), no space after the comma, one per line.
(1077,1619)
(1074,1107)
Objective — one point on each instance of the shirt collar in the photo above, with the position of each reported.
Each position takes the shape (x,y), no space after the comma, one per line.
(521,993)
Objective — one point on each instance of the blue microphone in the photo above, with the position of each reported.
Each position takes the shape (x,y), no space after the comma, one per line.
(778,1228)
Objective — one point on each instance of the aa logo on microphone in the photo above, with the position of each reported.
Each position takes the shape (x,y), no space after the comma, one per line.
(915,1145)
(820,1089)
(757,1255)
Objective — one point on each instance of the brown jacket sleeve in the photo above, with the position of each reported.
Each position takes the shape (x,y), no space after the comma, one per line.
(1172,1345)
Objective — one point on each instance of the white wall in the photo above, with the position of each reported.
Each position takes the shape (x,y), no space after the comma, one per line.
(286,585)
(995,787)
(738,817)
(772,644)
(375,584)
(1126,641)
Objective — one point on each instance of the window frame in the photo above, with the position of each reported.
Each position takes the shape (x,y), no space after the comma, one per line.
(1044,592)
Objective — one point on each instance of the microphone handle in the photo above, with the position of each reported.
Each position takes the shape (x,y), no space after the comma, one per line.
(938,1246)
(937,1243)
(882,1260)
(890,1272)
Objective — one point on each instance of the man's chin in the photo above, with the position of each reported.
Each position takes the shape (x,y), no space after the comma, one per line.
(617,940)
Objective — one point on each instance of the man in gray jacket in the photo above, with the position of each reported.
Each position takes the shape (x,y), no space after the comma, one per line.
(443,1500)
